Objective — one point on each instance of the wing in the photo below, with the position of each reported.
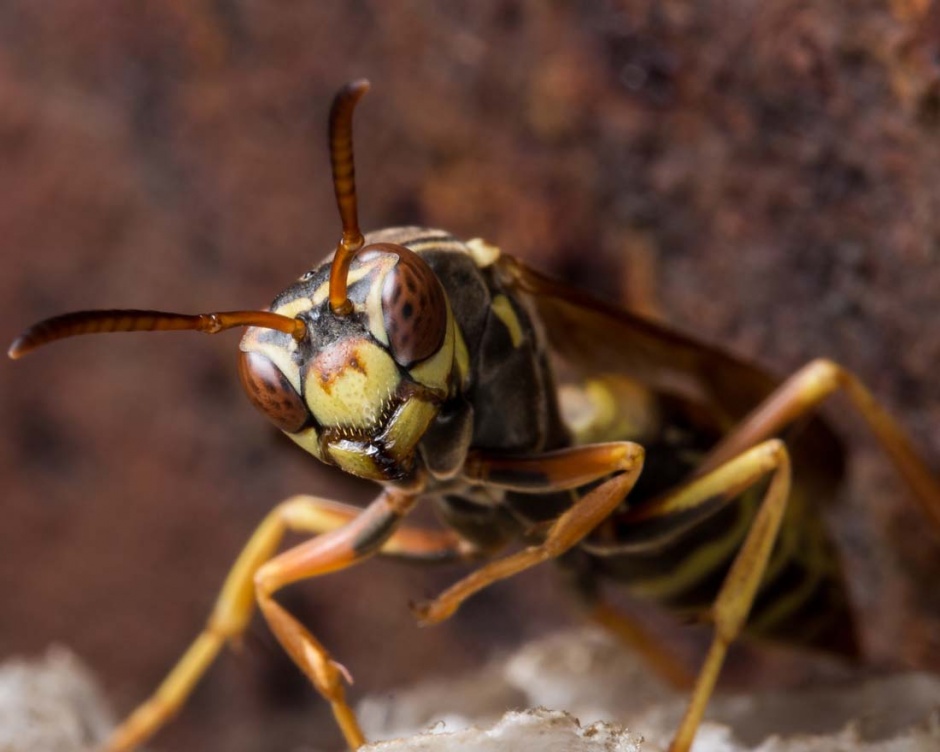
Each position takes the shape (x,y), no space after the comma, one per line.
(593,337)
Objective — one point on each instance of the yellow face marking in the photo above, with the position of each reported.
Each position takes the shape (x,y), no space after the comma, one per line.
(484,254)
(295,307)
(308,440)
(349,384)
(280,355)
(362,270)
(505,313)
(376,316)
(435,371)
(353,459)
(407,427)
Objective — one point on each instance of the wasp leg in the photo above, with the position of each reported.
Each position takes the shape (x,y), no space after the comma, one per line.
(734,600)
(327,553)
(553,471)
(235,604)
(629,631)
(804,391)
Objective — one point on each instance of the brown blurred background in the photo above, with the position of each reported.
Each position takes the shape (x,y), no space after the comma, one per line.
(766,175)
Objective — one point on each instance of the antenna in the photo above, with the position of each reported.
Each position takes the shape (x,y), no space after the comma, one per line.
(100,322)
(344,185)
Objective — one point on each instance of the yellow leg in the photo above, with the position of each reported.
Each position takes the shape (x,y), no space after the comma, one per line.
(736,596)
(803,392)
(327,553)
(556,471)
(235,604)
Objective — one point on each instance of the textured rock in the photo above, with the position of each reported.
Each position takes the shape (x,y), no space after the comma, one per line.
(602,700)
(596,681)
(51,704)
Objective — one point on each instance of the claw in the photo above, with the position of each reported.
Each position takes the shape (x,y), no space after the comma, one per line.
(429,613)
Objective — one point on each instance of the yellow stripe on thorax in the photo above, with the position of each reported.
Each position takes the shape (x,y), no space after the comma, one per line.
(505,313)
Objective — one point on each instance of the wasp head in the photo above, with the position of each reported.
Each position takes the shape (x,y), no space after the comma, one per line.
(360,389)
(352,361)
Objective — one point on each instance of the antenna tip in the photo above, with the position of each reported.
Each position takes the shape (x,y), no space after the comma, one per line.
(353,90)
(18,349)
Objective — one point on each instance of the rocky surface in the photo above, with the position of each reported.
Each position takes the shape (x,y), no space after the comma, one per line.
(571,692)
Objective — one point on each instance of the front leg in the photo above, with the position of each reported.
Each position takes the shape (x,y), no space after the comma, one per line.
(338,549)
(342,529)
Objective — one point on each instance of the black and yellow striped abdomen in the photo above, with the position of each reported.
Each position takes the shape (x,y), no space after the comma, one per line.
(680,561)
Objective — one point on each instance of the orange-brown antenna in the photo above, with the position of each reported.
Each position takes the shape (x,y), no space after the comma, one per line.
(344,185)
(100,322)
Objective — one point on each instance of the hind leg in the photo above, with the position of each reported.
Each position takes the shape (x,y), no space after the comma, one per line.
(736,595)
(802,393)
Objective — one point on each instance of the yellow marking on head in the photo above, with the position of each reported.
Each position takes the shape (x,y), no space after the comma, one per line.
(308,440)
(407,426)
(349,384)
(434,372)
(295,307)
(280,355)
(483,253)
(505,313)
(355,274)
(354,459)
(376,315)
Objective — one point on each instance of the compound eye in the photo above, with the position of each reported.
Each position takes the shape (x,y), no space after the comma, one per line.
(414,309)
(271,392)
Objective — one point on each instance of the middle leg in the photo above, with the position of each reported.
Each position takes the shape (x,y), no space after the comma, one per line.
(555,471)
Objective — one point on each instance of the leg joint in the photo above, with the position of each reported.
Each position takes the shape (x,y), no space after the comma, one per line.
(776,451)
(263,585)
(824,374)
(632,457)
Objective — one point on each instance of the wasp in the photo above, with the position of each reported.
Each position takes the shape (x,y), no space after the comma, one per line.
(526,412)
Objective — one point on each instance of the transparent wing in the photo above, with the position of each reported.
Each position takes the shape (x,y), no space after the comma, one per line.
(593,337)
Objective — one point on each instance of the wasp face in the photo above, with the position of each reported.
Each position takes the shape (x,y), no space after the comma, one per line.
(360,390)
